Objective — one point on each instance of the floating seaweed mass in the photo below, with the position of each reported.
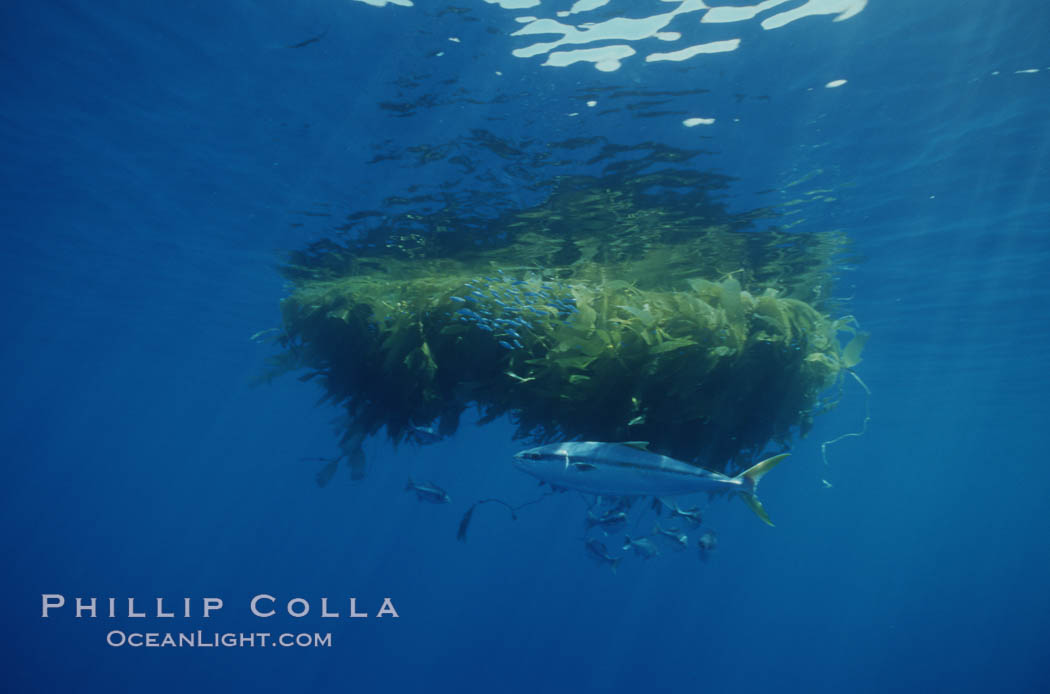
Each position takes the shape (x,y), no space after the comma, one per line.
(607,313)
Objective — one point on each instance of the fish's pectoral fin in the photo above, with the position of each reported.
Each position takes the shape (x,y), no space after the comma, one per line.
(640,445)
(583,467)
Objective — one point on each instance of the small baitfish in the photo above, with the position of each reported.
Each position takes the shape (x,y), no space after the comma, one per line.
(680,540)
(691,516)
(428,491)
(600,554)
(643,547)
(423,435)
(606,521)
(707,542)
(628,469)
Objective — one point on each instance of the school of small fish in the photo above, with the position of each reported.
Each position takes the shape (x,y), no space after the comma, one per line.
(612,518)
(511,308)
(612,515)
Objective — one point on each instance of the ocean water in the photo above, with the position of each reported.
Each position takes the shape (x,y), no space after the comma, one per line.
(157,158)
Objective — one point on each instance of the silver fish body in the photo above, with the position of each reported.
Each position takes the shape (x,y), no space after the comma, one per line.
(428,491)
(607,521)
(679,540)
(423,435)
(707,542)
(620,469)
(643,547)
(600,554)
(617,469)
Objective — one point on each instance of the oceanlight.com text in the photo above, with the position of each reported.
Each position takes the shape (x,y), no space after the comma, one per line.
(201,639)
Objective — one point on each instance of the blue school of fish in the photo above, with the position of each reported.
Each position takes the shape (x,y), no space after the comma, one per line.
(510,308)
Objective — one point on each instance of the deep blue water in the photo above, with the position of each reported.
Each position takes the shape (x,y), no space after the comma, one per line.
(157,157)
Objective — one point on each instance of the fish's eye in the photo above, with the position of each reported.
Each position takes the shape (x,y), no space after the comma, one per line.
(531,456)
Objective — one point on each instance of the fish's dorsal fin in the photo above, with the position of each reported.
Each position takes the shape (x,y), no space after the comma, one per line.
(640,445)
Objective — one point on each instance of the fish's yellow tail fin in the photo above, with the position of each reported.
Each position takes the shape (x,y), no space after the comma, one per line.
(752,501)
(756,471)
(751,477)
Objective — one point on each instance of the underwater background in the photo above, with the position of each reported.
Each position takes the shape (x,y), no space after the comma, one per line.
(157,160)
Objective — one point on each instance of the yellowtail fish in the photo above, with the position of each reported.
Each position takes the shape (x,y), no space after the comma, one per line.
(628,469)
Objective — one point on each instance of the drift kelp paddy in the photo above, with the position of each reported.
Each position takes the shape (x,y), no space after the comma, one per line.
(627,307)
